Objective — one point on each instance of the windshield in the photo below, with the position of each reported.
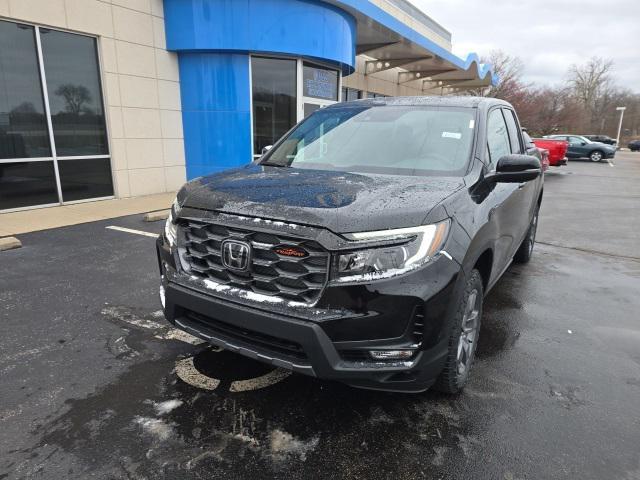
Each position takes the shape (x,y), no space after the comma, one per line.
(398,140)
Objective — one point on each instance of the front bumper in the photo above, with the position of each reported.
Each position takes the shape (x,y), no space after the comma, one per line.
(330,340)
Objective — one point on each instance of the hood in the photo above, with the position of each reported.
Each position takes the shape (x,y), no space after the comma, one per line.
(340,201)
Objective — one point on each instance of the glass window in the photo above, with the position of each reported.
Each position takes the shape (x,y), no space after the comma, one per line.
(75,96)
(512,126)
(497,137)
(23,124)
(86,178)
(319,82)
(350,94)
(399,140)
(309,108)
(25,184)
(274,99)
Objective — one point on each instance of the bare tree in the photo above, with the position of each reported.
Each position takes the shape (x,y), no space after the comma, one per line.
(509,70)
(75,97)
(592,86)
(585,104)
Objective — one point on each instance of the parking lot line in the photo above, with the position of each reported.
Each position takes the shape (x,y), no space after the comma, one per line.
(131,230)
(611,164)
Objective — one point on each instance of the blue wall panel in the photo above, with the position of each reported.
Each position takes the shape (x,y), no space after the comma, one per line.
(214,39)
(216,103)
(305,28)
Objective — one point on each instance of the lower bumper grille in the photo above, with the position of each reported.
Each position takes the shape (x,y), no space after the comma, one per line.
(251,338)
(300,277)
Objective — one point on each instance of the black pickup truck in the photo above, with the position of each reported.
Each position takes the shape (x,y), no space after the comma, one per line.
(360,247)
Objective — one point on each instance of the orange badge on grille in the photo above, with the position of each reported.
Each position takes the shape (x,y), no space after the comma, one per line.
(290,252)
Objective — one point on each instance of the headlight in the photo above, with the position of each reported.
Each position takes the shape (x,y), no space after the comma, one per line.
(170,228)
(413,248)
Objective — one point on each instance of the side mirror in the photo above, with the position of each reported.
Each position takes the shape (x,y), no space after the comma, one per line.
(515,169)
(583,143)
(266,149)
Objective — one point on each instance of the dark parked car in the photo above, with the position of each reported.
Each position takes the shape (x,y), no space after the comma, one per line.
(601,138)
(581,147)
(634,145)
(360,247)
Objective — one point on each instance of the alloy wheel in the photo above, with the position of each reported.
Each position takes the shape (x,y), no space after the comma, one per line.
(596,156)
(468,334)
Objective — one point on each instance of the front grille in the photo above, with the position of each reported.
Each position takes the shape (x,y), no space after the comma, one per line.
(226,331)
(269,273)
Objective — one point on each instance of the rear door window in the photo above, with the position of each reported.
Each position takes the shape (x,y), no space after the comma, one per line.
(512,126)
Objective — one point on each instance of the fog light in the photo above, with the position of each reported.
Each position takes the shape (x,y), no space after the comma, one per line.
(391,354)
(162,299)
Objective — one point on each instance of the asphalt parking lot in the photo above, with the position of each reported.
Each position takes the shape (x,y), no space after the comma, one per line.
(94,384)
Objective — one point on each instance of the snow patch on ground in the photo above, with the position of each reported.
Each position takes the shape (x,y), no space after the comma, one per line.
(125,315)
(155,427)
(283,445)
(162,408)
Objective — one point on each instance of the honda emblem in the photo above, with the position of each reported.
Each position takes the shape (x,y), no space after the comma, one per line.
(235,254)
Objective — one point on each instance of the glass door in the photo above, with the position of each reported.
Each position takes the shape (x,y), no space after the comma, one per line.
(285,91)
(274,97)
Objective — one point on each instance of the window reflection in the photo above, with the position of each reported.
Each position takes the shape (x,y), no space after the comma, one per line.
(24,184)
(23,125)
(274,99)
(75,98)
(85,178)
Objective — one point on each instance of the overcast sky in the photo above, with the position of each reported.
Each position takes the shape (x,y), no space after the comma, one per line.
(548,35)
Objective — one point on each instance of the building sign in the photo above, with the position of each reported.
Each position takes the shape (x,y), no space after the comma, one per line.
(319,83)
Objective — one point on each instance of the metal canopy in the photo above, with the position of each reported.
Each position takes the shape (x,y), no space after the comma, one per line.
(390,43)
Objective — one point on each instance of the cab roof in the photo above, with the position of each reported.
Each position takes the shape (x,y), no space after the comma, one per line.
(419,101)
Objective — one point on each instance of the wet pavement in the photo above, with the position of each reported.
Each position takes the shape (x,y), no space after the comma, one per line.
(94,384)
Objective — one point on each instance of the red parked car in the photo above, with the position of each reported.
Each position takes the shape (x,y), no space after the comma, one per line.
(557,150)
(532,149)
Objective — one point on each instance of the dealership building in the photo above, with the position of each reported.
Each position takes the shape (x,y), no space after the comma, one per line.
(121,98)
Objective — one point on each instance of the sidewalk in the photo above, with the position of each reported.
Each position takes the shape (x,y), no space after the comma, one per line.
(16,223)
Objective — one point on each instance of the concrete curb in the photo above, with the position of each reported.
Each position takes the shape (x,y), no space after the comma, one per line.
(156,216)
(9,243)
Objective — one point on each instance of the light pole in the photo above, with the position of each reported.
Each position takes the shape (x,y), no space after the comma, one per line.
(621,109)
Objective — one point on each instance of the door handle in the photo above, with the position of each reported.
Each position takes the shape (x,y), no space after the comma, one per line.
(521,186)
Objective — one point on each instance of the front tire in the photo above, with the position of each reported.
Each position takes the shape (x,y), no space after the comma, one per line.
(596,156)
(463,338)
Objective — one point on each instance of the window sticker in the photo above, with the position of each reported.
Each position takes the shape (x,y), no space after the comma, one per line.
(472,123)
(455,135)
